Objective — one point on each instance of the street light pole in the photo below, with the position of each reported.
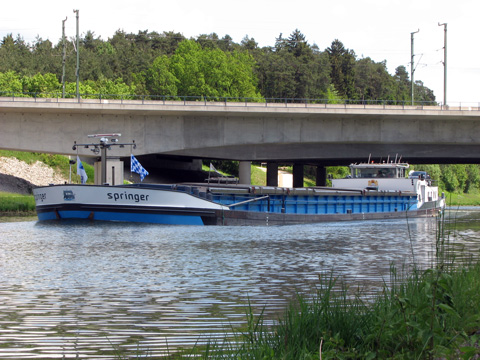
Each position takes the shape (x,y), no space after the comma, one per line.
(64,56)
(412,64)
(78,58)
(444,63)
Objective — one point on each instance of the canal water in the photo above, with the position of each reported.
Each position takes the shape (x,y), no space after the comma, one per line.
(81,289)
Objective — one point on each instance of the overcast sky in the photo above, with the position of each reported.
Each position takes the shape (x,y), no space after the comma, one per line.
(379,29)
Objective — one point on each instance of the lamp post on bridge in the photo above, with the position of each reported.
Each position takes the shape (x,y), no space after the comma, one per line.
(64,57)
(78,58)
(444,63)
(412,65)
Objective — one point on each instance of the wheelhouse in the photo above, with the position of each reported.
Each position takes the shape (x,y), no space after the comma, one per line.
(386,170)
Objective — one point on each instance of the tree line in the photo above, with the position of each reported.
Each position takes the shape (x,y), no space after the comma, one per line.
(169,64)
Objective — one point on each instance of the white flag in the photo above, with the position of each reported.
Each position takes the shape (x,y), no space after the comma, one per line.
(81,171)
(212,168)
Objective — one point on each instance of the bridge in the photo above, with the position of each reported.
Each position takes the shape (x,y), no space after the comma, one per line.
(290,132)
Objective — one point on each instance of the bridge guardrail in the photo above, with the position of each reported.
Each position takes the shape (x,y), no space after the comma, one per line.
(234,102)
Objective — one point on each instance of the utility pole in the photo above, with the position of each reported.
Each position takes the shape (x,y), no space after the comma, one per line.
(444,63)
(64,55)
(78,59)
(412,64)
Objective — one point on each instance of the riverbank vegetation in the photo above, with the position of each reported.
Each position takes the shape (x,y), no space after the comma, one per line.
(16,204)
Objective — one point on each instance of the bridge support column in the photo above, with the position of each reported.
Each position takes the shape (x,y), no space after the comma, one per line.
(297,175)
(272,174)
(321,178)
(245,172)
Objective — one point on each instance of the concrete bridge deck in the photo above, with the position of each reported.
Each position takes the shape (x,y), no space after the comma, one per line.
(246,131)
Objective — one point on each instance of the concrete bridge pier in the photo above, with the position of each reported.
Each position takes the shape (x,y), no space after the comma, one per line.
(321,176)
(297,175)
(272,174)
(245,172)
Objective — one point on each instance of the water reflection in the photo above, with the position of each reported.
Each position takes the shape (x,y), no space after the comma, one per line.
(77,288)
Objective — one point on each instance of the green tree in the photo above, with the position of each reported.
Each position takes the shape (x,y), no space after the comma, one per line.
(449,178)
(85,89)
(41,85)
(320,84)
(293,69)
(338,172)
(332,95)
(249,43)
(43,52)
(372,81)
(473,180)
(10,83)
(15,55)
(342,62)
(158,78)
(112,89)
(461,175)
(208,41)
(187,68)
(212,73)
(403,84)
(423,94)
(276,75)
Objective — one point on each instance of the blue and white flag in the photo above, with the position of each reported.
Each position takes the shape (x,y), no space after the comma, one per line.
(136,167)
(81,171)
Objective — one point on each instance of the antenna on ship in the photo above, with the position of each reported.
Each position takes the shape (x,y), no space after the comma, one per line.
(104,145)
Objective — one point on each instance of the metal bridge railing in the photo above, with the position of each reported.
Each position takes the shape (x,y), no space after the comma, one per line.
(234,102)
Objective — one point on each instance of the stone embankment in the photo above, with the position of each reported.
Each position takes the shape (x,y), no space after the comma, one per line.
(19,177)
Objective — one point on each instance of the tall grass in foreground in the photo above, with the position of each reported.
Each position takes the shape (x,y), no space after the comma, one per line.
(426,314)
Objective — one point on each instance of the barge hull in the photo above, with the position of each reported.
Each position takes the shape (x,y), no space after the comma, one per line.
(245,218)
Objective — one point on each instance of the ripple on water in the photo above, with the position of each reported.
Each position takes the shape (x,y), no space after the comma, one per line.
(79,288)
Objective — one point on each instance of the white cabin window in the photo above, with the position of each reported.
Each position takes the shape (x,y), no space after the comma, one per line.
(374,172)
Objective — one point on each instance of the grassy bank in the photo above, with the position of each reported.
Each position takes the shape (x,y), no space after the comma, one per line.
(15,204)
(470,199)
